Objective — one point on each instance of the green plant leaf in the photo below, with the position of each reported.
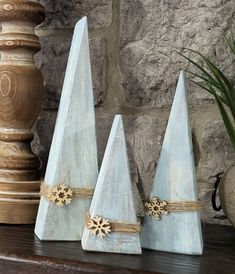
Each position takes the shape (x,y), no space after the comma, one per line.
(227,122)
(221,95)
(201,85)
(217,79)
(218,76)
(216,83)
(221,78)
(231,42)
(226,87)
(203,71)
(207,77)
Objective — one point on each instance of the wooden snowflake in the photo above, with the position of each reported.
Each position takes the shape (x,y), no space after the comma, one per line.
(99,226)
(155,207)
(62,195)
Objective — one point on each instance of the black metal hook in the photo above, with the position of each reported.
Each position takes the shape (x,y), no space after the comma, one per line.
(214,192)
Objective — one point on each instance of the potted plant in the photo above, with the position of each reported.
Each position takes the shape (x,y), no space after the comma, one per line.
(209,77)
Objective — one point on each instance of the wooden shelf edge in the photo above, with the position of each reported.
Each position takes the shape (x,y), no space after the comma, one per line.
(45,265)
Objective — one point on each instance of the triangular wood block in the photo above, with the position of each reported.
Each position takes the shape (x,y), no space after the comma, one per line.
(113,198)
(73,154)
(175,180)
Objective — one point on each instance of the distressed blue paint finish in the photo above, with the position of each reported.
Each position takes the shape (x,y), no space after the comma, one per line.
(175,180)
(73,153)
(113,197)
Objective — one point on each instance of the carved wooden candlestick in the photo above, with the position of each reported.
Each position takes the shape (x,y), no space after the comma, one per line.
(20,100)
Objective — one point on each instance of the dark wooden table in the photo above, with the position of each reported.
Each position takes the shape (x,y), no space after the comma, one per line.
(22,252)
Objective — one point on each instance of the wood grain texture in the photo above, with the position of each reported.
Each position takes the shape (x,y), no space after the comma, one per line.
(113,197)
(175,180)
(73,154)
(20,101)
(21,252)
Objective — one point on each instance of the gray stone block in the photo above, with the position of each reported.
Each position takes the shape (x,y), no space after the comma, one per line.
(43,132)
(65,13)
(216,151)
(52,61)
(150,33)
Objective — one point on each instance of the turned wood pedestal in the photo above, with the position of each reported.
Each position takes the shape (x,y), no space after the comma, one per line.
(20,101)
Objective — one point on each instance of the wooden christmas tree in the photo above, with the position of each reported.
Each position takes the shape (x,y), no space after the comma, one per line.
(72,170)
(111,223)
(173,221)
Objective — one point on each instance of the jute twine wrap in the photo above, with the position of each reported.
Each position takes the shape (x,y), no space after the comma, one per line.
(157,207)
(62,194)
(96,224)
(179,206)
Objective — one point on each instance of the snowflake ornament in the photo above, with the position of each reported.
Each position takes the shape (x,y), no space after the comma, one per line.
(99,226)
(62,195)
(155,207)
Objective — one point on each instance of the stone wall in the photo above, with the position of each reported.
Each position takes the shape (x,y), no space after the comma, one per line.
(135,70)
